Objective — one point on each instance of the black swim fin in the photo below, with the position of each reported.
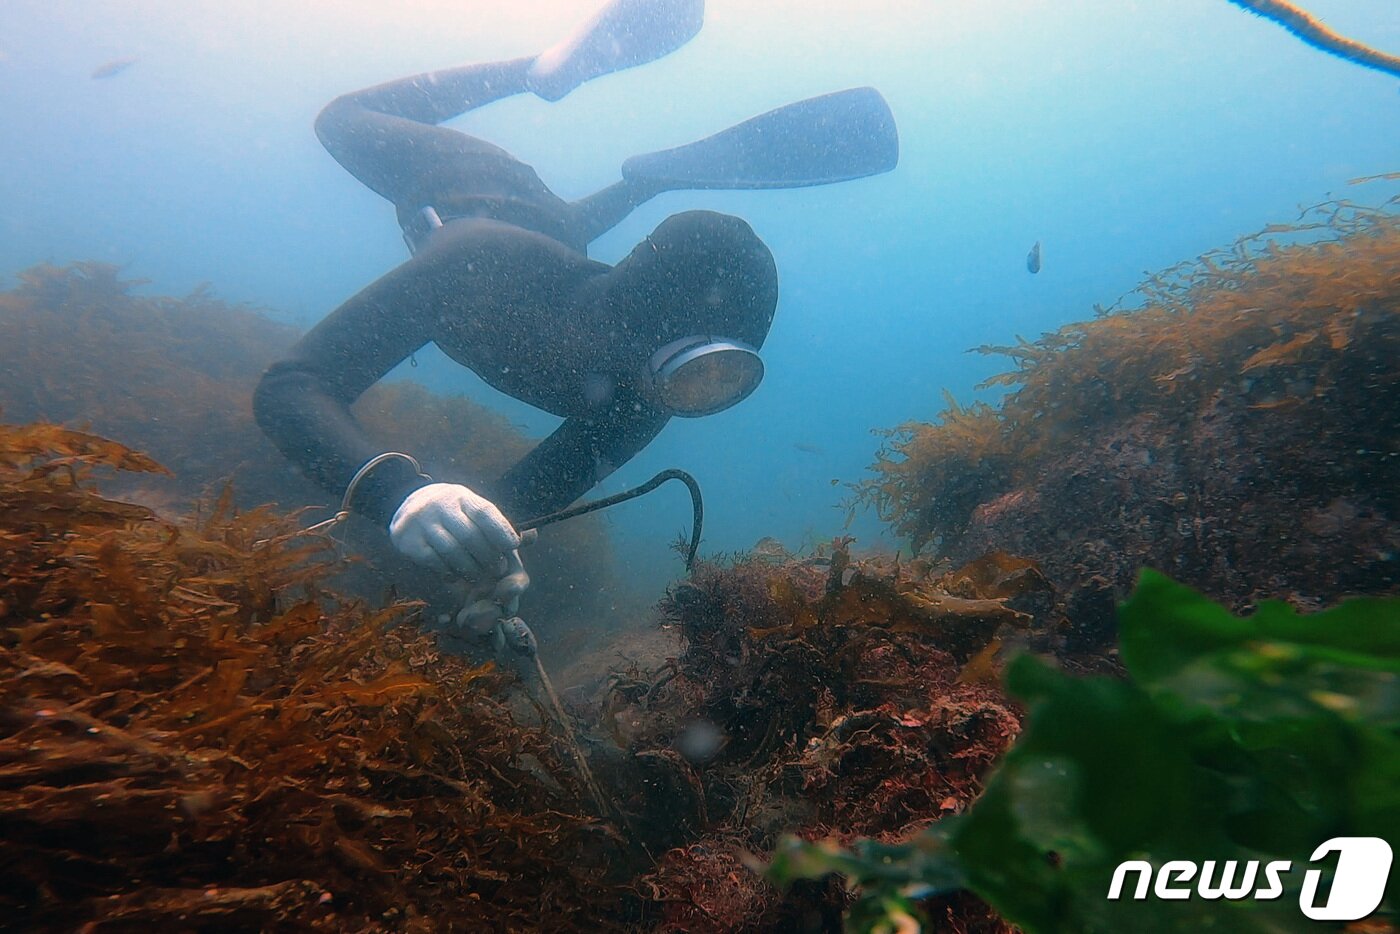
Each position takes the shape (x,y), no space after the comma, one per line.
(832,138)
(624,33)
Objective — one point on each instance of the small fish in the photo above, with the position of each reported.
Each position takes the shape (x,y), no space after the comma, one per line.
(806,448)
(113,68)
(1033,259)
(770,549)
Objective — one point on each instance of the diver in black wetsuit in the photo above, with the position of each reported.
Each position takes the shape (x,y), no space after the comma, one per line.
(500,280)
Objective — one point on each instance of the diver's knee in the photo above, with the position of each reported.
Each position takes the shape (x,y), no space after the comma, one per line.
(331,122)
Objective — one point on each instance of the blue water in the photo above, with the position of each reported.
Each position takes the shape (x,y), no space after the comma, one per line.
(1124,136)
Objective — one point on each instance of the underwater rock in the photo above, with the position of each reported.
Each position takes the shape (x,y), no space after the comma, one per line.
(1238,431)
(848,698)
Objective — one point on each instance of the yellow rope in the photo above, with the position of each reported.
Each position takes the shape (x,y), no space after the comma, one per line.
(1316,34)
(606,807)
(594,789)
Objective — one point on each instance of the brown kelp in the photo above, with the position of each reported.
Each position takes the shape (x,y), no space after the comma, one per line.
(196,735)
(1235,427)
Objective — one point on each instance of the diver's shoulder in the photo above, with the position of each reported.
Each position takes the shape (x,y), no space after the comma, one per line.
(470,238)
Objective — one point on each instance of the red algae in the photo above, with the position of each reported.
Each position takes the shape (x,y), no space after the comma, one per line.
(839,698)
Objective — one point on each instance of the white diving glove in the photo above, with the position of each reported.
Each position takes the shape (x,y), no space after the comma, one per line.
(451,529)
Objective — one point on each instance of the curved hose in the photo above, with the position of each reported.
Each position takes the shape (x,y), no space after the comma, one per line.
(696,503)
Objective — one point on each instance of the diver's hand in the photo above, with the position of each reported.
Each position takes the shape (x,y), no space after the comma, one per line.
(451,529)
(489,602)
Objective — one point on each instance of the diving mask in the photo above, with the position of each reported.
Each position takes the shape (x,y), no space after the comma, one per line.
(701,375)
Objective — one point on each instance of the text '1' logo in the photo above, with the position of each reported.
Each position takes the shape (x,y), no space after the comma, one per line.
(1358,885)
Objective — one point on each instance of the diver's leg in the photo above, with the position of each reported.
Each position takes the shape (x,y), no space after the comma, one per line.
(386,136)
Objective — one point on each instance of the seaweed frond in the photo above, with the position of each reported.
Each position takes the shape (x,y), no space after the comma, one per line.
(195,733)
(1160,427)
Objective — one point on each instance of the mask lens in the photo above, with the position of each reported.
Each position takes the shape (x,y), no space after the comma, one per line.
(708,378)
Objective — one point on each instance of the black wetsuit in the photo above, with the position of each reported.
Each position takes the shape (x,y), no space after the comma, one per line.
(505,288)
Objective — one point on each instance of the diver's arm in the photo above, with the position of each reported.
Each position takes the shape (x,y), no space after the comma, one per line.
(604,210)
(303,402)
(572,460)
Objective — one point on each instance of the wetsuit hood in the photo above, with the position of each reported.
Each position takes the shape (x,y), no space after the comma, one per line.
(693,302)
(699,273)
